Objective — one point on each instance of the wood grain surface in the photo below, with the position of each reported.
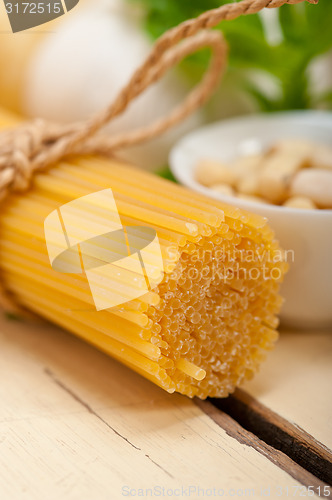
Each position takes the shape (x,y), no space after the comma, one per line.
(280,435)
(295,382)
(76,425)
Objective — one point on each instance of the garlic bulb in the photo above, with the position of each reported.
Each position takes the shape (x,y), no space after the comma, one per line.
(15,52)
(81,67)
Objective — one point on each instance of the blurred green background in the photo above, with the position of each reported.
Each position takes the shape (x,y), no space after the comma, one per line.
(274,57)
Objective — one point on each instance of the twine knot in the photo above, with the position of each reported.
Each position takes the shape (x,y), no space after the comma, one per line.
(18,148)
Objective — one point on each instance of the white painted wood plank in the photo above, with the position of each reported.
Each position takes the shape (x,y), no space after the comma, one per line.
(76,425)
(295,382)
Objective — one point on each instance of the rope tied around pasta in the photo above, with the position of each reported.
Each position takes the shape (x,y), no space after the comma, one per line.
(36,145)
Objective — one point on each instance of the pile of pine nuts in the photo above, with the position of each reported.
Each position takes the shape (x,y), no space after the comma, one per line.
(292,173)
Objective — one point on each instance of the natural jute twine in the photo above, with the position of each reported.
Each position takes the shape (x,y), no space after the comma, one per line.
(36,145)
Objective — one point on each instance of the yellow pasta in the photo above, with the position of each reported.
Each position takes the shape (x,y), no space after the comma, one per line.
(210,318)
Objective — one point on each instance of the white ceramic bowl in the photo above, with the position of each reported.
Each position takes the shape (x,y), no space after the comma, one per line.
(308,233)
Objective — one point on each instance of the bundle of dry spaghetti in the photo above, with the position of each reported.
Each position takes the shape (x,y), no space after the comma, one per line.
(204,328)
(202,325)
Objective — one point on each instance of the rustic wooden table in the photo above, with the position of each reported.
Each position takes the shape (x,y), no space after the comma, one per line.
(76,425)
